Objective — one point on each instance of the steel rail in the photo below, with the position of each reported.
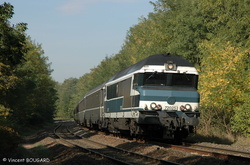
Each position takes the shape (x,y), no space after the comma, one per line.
(137,155)
(247,154)
(220,152)
(215,153)
(227,155)
(87,149)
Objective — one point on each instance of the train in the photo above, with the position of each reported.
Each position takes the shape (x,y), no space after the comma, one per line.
(156,97)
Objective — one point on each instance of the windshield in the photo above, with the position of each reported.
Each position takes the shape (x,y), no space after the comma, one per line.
(168,79)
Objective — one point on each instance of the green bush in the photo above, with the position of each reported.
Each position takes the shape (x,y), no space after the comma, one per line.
(9,139)
(241,119)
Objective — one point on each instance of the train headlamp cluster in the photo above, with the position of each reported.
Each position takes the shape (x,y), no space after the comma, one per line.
(154,106)
(170,65)
(187,107)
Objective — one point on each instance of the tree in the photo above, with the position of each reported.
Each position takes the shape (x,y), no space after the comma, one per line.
(33,101)
(224,81)
(66,90)
(190,22)
(12,50)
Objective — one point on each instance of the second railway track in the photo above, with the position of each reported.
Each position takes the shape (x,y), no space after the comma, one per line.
(213,152)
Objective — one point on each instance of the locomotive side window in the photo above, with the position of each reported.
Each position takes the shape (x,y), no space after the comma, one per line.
(112,91)
(119,89)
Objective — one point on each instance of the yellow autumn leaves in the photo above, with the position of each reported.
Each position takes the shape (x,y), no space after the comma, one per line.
(224,80)
(223,74)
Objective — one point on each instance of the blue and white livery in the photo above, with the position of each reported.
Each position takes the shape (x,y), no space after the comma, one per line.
(156,97)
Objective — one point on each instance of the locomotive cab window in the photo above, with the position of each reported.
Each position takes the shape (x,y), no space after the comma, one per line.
(184,80)
(168,79)
(138,79)
(155,79)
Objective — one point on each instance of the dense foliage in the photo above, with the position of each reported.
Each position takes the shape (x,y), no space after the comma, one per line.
(28,93)
(65,93)
(224,87)
(212,34)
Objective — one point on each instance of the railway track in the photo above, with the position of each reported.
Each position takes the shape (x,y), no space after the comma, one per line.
(220,153)
(202,150)
(228,152)
(212,151)
(115,154)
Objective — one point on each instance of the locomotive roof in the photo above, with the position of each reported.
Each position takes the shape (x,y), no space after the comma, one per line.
(158,59)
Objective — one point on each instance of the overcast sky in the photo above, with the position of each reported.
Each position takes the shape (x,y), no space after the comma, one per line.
(77,34)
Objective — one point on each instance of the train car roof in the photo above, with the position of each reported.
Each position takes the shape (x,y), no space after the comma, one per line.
(158,59)
(96,88)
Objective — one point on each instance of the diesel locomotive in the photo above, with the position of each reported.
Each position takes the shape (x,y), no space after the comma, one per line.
(156,97)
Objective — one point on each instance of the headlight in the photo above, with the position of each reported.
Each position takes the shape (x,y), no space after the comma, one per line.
(170,65)
(153,106)
(188,107)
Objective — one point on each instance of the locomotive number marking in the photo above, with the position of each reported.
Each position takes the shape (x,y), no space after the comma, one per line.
(171,107)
